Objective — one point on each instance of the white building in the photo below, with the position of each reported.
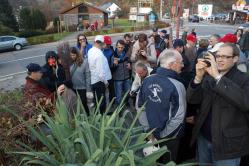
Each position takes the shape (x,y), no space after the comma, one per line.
(111,8)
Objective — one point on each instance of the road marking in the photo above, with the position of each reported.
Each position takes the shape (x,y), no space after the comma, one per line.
(16,60)
(6,78)
(10,76)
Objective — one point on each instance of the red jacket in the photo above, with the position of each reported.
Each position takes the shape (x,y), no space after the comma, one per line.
(33,91)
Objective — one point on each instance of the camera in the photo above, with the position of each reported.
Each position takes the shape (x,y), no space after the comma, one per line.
(205,56)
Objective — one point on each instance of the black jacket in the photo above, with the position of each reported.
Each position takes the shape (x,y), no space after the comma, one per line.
(53,77)
(244,42)
(120,72)
(229,102)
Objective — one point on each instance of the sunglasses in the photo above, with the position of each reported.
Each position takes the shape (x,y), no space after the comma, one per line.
(82,39)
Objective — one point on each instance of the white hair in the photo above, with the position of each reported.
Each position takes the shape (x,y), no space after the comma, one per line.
(167,57)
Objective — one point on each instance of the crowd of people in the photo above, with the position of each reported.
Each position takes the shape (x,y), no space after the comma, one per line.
(195,92)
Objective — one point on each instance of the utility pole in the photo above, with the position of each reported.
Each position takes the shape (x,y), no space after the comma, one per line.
(179,13)
(161,9)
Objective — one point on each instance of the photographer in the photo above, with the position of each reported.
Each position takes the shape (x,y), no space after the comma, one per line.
(144,51)
(221,128)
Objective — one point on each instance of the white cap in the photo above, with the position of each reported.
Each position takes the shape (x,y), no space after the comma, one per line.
(216,47)
(99,38)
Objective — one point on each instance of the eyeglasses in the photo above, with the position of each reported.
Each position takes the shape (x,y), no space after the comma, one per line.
(181,62)
(223,56)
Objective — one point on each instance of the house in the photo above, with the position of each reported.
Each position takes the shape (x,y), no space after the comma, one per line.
(111,8)
(84,13)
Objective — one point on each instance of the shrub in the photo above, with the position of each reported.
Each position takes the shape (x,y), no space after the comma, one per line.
(30,33)
(40,39)
(88,33)
(90,140)
(5,30)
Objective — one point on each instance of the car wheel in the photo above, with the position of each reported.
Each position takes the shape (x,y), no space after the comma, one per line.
(18,47)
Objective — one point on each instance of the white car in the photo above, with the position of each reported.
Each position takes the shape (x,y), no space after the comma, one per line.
(12,42)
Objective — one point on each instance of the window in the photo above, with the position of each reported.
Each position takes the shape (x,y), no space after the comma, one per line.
(83,9)
(8,38)
(83,17)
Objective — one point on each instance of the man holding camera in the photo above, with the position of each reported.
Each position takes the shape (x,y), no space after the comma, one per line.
(222,128)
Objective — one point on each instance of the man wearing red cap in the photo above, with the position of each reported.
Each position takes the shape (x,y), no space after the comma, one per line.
(190,50)
(108,51)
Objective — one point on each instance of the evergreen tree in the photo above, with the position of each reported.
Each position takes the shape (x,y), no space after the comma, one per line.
(6,15)
(25,19)
(38,19)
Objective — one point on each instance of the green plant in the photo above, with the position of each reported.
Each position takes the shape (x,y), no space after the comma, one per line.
(99,140)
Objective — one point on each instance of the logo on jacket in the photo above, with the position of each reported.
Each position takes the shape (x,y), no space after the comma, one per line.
(155,89)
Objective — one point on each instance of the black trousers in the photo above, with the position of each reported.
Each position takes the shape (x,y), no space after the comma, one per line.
(99,91)
(172,146)
(82,94)
(111,89)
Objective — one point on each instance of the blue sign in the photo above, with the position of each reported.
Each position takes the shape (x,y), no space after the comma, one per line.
(152,17)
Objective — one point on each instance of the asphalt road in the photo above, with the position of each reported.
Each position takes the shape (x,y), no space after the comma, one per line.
(13,63)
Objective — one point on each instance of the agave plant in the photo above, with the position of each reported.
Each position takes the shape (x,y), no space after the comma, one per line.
(94,140)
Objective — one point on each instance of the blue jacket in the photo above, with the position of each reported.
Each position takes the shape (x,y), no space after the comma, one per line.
(86,49)
(109,53)
(164,97)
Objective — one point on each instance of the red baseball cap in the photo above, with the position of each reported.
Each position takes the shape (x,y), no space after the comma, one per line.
(192,38)
(107,40)
(229,38)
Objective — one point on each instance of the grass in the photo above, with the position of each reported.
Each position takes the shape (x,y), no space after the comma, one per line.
(122,22)
(47,38)
(10,98)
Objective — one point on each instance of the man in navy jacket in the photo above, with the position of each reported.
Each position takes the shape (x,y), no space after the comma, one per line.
(164,96)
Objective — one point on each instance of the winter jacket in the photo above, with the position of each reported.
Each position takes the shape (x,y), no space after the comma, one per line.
(150,59)
(120,71)
(34,90)
(109,53)
(80,75)
(53,77)
(164,97)
(85,50)
(227,104)
(244,42)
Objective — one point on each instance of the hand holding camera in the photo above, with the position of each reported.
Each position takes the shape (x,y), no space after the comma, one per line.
(211,68)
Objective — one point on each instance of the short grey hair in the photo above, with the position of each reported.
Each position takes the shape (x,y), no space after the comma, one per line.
(141,65)
(168,56)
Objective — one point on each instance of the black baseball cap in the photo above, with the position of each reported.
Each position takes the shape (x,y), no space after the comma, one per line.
(164,31)
(33,67)
(178,43)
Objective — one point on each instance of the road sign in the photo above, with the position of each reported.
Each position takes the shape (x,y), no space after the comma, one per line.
(205,10)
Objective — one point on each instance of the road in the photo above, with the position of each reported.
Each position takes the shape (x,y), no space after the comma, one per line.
(13,63)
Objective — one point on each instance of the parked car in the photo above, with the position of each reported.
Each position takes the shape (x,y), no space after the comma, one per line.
(193,18)
(221,16)
(244,26)
(12,42)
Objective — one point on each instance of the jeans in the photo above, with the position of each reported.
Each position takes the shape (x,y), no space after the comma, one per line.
(121,87)
(246,54)
(205,154)
(99,91)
